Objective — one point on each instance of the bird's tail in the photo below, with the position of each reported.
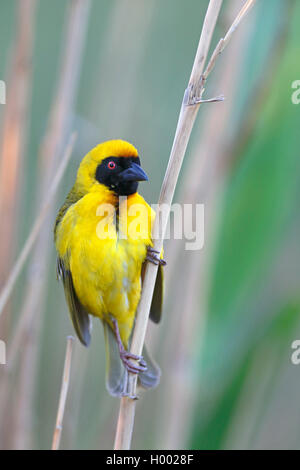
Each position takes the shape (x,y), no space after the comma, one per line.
(116,375)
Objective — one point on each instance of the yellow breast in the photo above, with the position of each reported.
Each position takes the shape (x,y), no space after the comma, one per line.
(104,245)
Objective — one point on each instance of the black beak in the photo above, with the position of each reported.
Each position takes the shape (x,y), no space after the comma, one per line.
(133,173)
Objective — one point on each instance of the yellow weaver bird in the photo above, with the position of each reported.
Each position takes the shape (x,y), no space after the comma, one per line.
(103,238)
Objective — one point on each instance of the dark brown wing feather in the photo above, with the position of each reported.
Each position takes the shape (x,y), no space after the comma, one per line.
(79,315)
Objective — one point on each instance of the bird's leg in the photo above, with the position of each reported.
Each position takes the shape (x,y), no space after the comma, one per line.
(153,257)
(127,355)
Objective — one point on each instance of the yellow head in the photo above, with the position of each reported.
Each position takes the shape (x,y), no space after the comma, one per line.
(113,165)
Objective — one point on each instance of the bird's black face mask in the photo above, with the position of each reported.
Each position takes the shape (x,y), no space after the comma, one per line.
(121,174)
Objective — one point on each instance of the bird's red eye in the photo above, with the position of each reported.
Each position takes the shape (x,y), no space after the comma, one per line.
(111,165)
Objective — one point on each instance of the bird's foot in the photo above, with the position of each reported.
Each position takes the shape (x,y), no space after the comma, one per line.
(141,365)
(125,356)
(153,257)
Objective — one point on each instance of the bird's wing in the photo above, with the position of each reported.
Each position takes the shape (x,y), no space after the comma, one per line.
(157,299)
(73,196)
(79,315)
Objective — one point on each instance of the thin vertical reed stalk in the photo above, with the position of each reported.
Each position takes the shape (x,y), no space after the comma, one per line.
(63,395)
(185,124)
(18,335)
(13,139)
(28,245)
(13,150)
(189,109)
(52,147)
(207,167)
(120,39)
(189,311)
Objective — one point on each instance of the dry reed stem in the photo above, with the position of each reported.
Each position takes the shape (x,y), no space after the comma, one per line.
(193,95)
(203,183)
(184,127)
(224,41)
(23,320)
(14,135)
(63,395)
(52,148)
(120,39)
(19,264)
(15,122)
(15,347)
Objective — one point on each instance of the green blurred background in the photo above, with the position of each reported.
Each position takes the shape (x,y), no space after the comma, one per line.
(232,310)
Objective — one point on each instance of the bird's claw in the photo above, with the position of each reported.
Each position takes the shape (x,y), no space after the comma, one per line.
(125,356)
(129,365)
(153,257)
